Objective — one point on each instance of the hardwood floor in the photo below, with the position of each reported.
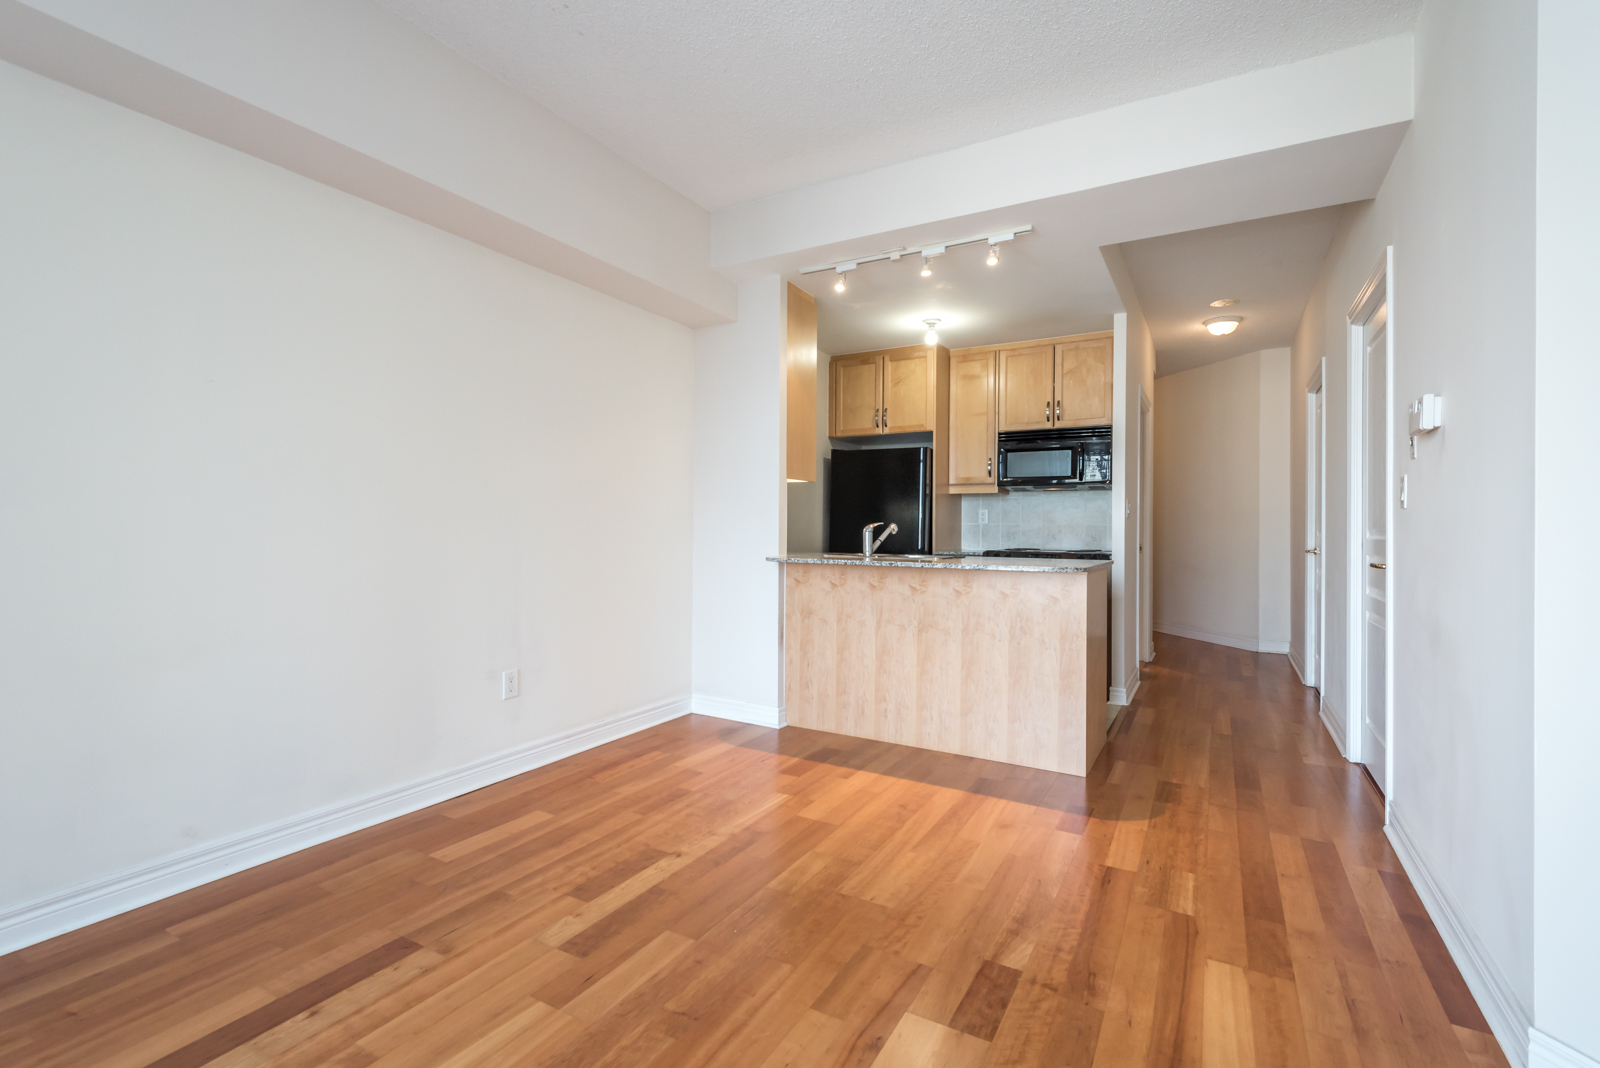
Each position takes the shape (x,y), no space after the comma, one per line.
(1217,892)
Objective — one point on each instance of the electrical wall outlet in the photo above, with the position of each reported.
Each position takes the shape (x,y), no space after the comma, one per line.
(508,684)
(983,515)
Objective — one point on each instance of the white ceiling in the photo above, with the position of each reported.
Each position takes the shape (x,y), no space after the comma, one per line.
(730,101)
(1056,281)
(1268,265)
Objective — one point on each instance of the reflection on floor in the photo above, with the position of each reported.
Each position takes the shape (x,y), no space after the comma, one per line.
(1218,891)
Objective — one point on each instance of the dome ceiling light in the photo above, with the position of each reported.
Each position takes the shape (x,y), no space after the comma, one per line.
(1223,324)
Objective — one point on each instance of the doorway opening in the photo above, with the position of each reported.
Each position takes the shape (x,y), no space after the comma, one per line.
(1147,452)
(1311,651)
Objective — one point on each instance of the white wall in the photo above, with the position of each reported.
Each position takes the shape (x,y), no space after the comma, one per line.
(1221,490)
(1134,369)
(1566,515)
(289,479)
(1272,497)
(376,107)
(1458,208)
(739,507)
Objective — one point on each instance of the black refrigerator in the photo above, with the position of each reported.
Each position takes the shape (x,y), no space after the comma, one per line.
(881,486)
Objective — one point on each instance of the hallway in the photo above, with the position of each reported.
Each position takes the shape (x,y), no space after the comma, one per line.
(1217,892)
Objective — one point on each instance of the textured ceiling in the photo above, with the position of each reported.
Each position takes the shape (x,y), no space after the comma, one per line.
(727,102)
(1268,265)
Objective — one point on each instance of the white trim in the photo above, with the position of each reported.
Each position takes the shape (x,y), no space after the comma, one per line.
(1235,641)
(1123,695)
(739,711)
(1326,707)
(35,921)
(1299,668)
(1501,1006)
(1547,1052)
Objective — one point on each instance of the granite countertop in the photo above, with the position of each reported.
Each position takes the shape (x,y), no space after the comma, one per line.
(969,563)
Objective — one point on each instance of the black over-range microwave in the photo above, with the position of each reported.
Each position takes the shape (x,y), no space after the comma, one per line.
(1056,459)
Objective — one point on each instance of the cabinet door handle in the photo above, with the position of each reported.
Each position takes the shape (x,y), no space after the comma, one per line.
(874,418)
(886,419)
(1058,411)
(1047,411)
(991,467)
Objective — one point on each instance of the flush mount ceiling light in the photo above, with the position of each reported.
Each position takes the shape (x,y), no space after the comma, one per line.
(1225,302)
(932,336)
(1223,324)
(927,252)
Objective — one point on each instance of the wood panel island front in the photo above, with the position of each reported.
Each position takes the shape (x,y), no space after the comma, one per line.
(1002,659)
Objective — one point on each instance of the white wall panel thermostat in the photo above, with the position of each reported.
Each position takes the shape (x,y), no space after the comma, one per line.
(1427,413)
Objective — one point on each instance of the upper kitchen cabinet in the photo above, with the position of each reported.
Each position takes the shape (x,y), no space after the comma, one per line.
(1027,387)
(1061,382)
(892,391)
(801,371)
(1083,367)
(855,388)
(973,376)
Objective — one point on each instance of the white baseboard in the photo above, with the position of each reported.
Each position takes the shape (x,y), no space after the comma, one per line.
(1547,1052)
(35,921)
(1507,1018)
(1233,641)
(1299,667)
(1123,695)
(1335,730)
(740,711)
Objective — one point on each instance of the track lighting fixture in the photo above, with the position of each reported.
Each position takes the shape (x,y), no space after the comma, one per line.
(927,252)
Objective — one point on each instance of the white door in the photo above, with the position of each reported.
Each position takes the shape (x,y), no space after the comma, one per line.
(1147,459)
(1374,548)
(1314,480)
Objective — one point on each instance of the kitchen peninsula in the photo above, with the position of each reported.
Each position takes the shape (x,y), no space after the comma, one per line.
(998,658)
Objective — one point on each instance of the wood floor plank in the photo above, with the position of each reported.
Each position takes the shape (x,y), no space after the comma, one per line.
(1218,891)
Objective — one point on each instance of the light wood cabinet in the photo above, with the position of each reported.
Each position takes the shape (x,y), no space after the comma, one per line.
(800,456)
(1059,382)
(908,393)
(891,391)
(1083,370)
(972,417)
(855,385)
(1027,387)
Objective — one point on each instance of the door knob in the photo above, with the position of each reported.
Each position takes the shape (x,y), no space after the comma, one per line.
(1314,552)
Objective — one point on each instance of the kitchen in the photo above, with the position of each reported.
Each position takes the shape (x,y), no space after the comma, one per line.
(948,578)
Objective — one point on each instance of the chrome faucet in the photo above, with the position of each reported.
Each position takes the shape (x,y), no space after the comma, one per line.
(868,546)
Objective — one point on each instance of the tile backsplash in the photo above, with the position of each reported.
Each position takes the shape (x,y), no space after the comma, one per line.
(1066,519)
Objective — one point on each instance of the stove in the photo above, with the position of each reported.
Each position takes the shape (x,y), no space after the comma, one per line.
(1051,554)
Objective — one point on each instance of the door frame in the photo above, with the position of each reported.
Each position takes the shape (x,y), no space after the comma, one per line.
(1315,647)
(1377,292)
(1146,631)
